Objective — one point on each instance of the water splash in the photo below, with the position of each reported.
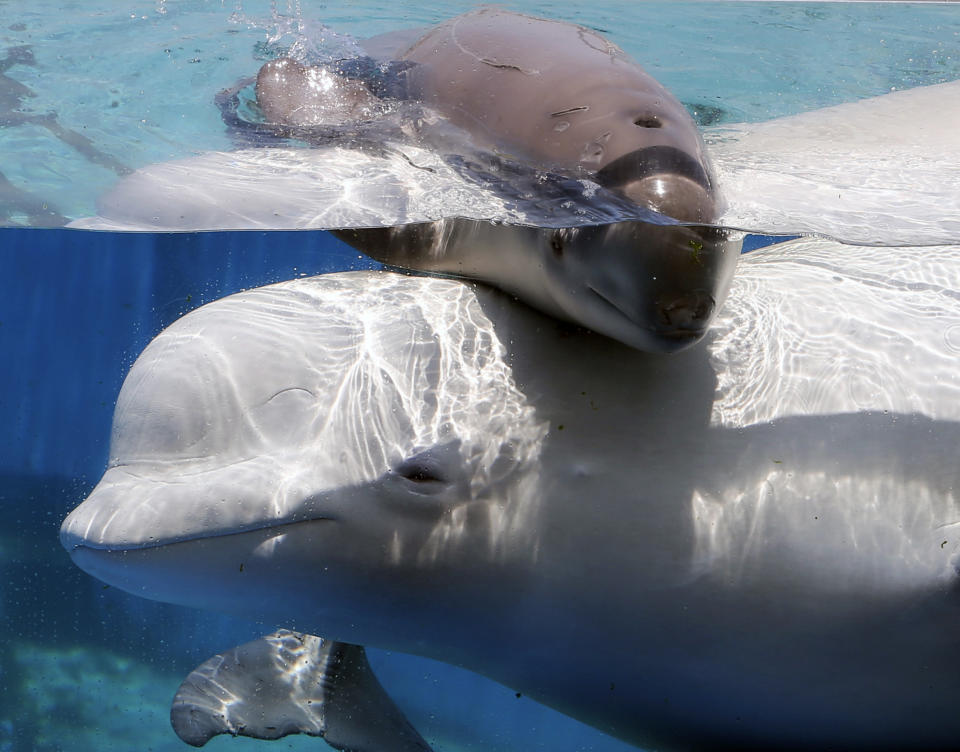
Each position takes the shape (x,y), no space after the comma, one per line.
(288,33)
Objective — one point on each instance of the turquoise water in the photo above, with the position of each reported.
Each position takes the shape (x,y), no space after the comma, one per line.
(85,667)
(90,91)
(104,89)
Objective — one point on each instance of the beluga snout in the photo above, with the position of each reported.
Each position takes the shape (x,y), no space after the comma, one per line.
(653,287)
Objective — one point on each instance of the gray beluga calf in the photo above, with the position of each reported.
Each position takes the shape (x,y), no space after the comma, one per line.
(558,97)
(653,287)
(544,92)
(752,544)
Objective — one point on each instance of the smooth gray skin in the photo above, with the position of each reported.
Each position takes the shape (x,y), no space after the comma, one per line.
(753,544)
(287,92)
(539,91)
(562,97)
(290,683)
(661,301)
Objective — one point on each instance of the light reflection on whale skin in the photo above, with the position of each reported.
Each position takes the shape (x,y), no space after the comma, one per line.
(750,544)
(878,171)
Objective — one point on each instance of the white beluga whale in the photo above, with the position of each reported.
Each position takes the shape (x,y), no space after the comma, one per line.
(879,171)
(751,544)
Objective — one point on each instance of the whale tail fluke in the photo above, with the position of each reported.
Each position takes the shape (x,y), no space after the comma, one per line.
(292,683)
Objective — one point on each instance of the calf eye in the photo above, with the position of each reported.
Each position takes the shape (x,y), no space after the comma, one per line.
(433,470)
(420,469)
(556,244)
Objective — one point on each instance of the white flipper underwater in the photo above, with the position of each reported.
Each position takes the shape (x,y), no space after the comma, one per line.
(752,544)
(291,683)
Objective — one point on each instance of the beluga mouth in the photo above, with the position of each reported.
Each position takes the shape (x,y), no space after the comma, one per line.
(654,287)
(687,315)
(130,510)
(679,321)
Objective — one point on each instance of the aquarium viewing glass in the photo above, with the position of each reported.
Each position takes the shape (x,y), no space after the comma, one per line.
(120,178)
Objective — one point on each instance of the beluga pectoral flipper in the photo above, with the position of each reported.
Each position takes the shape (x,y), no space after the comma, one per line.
(292,683)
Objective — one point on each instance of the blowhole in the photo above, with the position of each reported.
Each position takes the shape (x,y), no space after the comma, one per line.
(647,121)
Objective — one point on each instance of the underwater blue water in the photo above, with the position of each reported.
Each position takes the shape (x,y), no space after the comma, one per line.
(84,667)
(77,310)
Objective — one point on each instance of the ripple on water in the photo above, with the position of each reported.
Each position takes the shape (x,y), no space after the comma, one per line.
(802,347)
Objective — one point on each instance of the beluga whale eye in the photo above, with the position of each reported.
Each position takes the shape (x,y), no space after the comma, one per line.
(419,470)
(432,470)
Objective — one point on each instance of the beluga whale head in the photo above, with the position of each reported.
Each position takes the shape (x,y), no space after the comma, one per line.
(249,469)
(565,99)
